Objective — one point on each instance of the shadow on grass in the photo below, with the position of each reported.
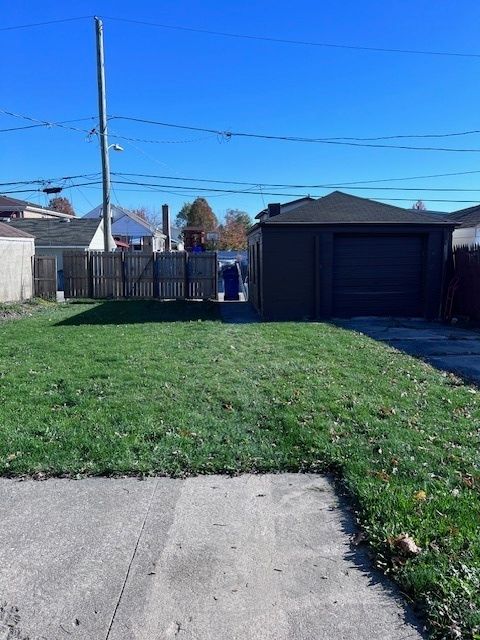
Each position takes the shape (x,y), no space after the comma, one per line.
(139,312)
(361,558)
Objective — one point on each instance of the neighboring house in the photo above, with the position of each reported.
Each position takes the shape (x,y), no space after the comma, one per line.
(131,229)
(468,231)
(20,209)
(176,238)
(343,256)
(53,237)
(16,252)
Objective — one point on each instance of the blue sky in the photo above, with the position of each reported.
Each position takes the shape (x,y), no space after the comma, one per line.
(48,72)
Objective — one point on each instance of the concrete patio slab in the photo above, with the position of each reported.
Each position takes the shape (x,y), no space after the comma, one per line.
(252,557)
(446,347)
(238,313)
(438,347)
(64,550)
(465,366)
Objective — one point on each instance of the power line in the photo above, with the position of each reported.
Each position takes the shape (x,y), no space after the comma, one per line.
(319,186)
(82,184)
(291,195)
(50,180)
(226,34)
(244,36)
(228,135)
(47,123)
(434,175)
(41,24)
(42,123)
(161,188)
(358,185)
(309,186)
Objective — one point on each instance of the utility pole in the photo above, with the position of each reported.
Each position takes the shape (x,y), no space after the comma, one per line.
(166,226)
(102,112)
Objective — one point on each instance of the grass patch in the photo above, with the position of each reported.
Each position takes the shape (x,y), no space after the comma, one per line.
(16,310)
(150,387)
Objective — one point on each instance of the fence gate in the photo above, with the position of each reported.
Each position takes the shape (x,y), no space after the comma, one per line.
(202,275)
(138,274)
(45,277)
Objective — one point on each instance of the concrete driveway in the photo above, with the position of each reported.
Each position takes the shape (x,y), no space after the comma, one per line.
(444,346)
(247,558)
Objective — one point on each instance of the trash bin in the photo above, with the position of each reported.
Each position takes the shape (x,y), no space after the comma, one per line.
(230,281)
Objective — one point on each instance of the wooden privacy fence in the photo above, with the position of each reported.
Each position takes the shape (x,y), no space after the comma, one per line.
(466,272)
(167,275)
(45,277)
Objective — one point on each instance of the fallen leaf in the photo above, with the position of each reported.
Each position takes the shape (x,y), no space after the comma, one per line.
(420,496)
(405,544)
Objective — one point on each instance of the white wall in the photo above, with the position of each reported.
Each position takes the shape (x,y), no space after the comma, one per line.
(467,235)
(16,279)
(97,242)
(159,243)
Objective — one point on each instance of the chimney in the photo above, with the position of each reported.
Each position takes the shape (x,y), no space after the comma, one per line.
(273,209)
(166,226)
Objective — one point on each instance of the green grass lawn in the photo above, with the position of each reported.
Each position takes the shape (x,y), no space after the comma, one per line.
(150,387)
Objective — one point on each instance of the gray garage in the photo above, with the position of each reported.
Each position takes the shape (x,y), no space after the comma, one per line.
(345,256)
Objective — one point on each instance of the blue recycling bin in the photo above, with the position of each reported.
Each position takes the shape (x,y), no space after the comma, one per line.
(231,284)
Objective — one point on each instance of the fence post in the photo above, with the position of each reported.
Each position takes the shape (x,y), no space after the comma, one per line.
(156,284)
(185,268)
(124,275)
(89,274)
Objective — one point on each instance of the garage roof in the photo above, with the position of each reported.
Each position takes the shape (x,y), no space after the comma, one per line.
(342,208)
(55,232)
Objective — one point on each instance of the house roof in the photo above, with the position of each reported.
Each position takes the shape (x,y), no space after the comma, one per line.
(7,231)
(342,208)
(12,204)
(75,232)
(469,217)
(118,213)
(6,201)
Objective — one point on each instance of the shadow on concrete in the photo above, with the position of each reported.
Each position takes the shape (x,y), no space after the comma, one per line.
(361,558)
(238,313)
(447,348)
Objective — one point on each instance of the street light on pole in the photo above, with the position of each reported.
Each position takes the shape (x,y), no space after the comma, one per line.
(108,243)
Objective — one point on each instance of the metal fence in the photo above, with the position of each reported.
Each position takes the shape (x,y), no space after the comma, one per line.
(167,275)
